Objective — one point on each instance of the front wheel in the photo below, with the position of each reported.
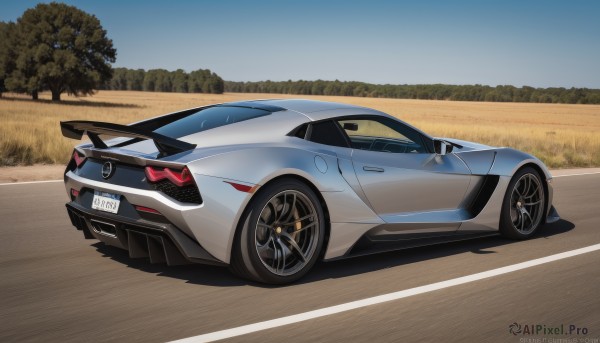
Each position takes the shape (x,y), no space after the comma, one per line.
(282,234)
(523,206)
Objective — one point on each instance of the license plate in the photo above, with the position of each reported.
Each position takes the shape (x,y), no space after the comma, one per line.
(106,202)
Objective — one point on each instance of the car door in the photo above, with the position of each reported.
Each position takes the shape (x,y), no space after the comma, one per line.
(404,181)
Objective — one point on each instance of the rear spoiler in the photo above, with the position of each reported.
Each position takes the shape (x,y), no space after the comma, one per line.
(165,145)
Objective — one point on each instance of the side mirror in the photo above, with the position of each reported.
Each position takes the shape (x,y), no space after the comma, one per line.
(351,126)
(442,147)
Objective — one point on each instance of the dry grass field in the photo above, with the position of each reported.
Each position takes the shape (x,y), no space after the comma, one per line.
(561,135)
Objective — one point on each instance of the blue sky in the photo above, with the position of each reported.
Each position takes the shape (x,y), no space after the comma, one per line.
(536,43)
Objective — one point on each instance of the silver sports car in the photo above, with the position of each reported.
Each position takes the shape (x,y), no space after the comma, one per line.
(269,187)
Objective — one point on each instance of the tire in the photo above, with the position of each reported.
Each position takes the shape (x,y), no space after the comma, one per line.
(523,205)
(281,234)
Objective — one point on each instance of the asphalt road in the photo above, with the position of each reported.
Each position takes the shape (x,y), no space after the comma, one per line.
(57,287)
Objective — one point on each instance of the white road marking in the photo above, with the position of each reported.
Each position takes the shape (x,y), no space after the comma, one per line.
(296,318)
(47,181)
(28,182)
(575,174)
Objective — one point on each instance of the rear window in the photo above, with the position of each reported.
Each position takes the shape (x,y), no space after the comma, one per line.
(209,118)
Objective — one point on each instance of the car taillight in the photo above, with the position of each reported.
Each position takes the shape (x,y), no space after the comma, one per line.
(79,159)
(146,209)
(74,194)
(179,178)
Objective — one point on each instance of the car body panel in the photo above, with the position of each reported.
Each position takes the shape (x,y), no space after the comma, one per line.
(479,162)
(401,183)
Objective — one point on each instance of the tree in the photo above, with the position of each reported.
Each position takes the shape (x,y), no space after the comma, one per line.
(135,79)
(197,80)
(163,81)
(215,84)
(119,79)
(7,53)
(180,81)
(149,84)
(60,48)
(8,58)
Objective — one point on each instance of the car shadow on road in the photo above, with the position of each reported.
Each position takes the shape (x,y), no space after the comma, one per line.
(479,246)
(220,276)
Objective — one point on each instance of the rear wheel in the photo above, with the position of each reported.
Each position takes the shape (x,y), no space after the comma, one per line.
(523,206)
(282,234)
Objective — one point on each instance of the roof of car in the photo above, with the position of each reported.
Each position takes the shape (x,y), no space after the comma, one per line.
(313,109)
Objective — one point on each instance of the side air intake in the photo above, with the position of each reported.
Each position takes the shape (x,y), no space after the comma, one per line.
(483,196)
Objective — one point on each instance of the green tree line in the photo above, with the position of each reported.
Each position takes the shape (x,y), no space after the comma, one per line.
(161,80)
(428,92)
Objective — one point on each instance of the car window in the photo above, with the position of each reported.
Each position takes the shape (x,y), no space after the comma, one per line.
(327,132)
(209,118)
(382,135)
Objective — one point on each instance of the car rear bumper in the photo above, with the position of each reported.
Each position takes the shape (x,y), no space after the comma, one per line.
(159,242)
(211,224)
